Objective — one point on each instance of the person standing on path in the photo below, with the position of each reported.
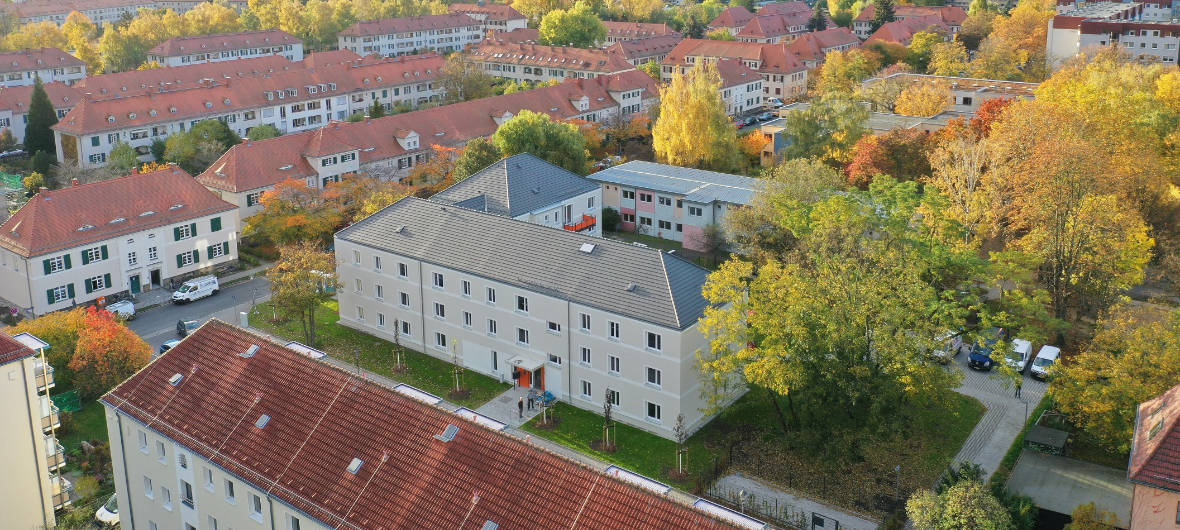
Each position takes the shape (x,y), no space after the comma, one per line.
(1019,382)
(520,407)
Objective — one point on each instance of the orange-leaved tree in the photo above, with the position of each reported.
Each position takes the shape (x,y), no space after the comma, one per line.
(107,353)
(60,329)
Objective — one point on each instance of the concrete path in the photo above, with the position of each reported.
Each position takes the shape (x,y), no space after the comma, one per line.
(505,408)
(1005,416)
(760,499)
(1060,484)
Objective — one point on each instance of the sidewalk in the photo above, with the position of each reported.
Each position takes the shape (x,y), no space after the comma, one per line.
(159,296)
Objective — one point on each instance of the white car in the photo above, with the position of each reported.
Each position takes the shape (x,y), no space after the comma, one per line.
(123,308)
(1044,359)
(108,514)
(1018,357)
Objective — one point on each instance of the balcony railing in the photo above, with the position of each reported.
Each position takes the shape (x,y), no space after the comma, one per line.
(61,491)
(588,221)
(44,375)
(50,419)
(55,454)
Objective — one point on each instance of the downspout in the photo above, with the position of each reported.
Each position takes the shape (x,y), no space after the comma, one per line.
(422,305)
(35,429)
(126,485)
(270,507)
(569,355)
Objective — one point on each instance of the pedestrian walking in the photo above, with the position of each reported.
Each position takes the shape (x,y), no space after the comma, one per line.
(520,407)
(1019,382)
(531,404)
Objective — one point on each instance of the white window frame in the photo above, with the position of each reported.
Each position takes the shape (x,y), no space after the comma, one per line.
(659,341)
(440,340)
(659,377)
(614,365)
(439,281)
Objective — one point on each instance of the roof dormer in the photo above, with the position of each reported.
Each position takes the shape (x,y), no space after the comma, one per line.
(407,139)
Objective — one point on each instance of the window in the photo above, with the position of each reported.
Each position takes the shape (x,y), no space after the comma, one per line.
(491,295)
(182,460)
(665,201)
(403,270)
(628,194)
(56,264)
(293,524)
(644,197)
(255,505)
(143,445)
(215,224)
(466,288)
(360,313)
(379,291)
(186,259)
(97,283)
(613,397)
(653,411)
(440,310)
(357,285)
(585,356)
(183,231)
(613,330)
(587,389)
(380,320)
(653,376)
(252,199)
(522,335)
(440,340)
(653,341)
(522,304)
(160,453)
(132,259)
(554,327)
(665,225)
(377,262)
(212,523)
(404,299)
(585,322)
(153,255)
(694,211)
(491,326)
(147,488)
(628,218)
(679,227)
(614,364)
(466,319)
(209,479)
(554,359)
(186,494)
(152,525)
(680,203)
(94,254)
(229,492)
(645,221)
(405,328)
(438,280)
(166,497)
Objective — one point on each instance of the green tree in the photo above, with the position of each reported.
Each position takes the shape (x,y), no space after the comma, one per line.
(263,132)
(720,34)
(978,6)
(760,231)
(1090,517)
(299,283)
(157,149)
(376,110)
(463,80)
(828,129)
(477,154)
(41,162)
(967,504)
(121,51)
(562,144)
(577,26)
(842,72)
(882,13)
(921,48)
(38,134)
(819,19)
(651,68)
(200,146)
(122,158)
(700,133)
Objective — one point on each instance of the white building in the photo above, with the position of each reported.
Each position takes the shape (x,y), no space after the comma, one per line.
(783,75)
(492,16)
(394,37)
(101,12)
(555,310)
(1151,41)
(20,68)
(73,245)
(32,487)
(180,51)
(536,63)
(529,189)
(14,105)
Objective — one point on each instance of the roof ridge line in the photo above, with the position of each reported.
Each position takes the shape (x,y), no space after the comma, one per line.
(668,285)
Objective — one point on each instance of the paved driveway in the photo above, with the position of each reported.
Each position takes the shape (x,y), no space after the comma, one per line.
(1005,415)
(1060,484)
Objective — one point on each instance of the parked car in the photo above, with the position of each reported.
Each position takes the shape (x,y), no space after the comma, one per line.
(108,513)
(12,153)
(765,116)
(774,103)
(947,347)
(184,327)
(168,345)
(1017,357)
(195,289)
(1044,360)
(980,357)
(123,308)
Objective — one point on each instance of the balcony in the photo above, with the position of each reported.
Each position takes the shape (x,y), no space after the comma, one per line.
(44,375)
(55,454)
(588,221)
(61,491)
(49,414)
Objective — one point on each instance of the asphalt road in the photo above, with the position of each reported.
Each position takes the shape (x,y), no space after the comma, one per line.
(159,325)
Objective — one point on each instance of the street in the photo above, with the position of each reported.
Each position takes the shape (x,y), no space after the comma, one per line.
(158,325)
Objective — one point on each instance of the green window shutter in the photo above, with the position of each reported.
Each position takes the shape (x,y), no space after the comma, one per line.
(45,262)
(215,224)
(86,285)
(104,252)
(106,280)
(196,257)
(179,260)
(67,260)
(209,251)
(70,290)
(49,295)
(85,258)
(225,248)
(193,229)
(176,233)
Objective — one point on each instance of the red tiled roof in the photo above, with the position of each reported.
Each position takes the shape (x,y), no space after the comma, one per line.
(492,10)
(734,73)
(330,58)
(595,60)
(1064,22)
(225,95)
(784,8)
(811,46)
(902,31)
(637,30)
(517,36)
(34,59)
(386,26)
(732,17)
(1155,451)
(173,77)
(950,15)
(649,47)
(50,221)
(12,350)
(322,417)
(254,165)
(16,98)
(771,26)
(35,8)
(772,57)
(223,42)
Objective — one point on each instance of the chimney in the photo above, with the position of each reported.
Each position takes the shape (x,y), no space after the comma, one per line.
(42,190)
(74,182)
(134,171)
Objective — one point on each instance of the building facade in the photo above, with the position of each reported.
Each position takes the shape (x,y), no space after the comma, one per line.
(492,16)
(33,487)
(14,105)
(22,68)
(554,310)
(77,244)
(640,51)
(536,63)
(100,12)
(1152,471)
(179,51)
(1148,41)
(951,16)
(625,31)
(812,48)
(783,76)
(394,37)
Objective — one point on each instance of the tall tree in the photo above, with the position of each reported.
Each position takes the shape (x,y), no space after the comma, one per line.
(900,153)
(263,132)
(200,146)
(760,231)
(107,352)
(122,158)
(842,72)
(923,99)
(477,154)
(819,18)
(577,26)
(883,13)
(967,504)
(698,133)
(828,129)
(463,80)
(948,58)
(530,132)
(60,329)
(921,49)
(38,135)
(299,283)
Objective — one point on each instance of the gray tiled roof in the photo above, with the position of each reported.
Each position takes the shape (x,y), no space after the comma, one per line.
(695,185)
(667,289)
(516,186)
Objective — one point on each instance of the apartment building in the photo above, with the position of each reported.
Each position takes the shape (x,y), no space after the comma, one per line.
(130,234)
(731,19)
(14,105)
(394,37)
(293,100)
(624,31)
(902,31)
(741,87)
(967,93)
(813,48)
(392,146)
(101,12)
(1147,41)
(951,16)
(33,487)
(783,76)
(516,36)
(537,63)
(775,28)
(527,188)
(492,16)
(22,68)
(179,51)
(1152,471)
(230,430)
(640,51)
(671,202)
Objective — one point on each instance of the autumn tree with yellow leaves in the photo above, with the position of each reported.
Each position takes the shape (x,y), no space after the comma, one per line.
(695,130)
(923,99)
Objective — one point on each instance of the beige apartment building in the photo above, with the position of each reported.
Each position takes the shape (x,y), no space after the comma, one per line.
(552,309)
(32,489)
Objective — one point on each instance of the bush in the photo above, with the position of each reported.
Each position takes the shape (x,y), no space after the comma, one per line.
(611,219)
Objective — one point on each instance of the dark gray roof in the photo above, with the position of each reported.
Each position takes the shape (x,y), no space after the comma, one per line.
(516,186)
(666,289)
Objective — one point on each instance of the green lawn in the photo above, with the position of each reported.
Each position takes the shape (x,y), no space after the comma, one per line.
(87,423)
(746,437)
(377,355)
(666,245)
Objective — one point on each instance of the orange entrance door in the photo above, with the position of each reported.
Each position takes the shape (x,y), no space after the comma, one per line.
(525,378)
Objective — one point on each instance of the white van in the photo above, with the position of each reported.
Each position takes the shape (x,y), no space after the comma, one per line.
(123,308)
(1018,357)
(195,289)
(1045,358)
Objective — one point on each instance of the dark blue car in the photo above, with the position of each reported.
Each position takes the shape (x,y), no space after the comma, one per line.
(980,357)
